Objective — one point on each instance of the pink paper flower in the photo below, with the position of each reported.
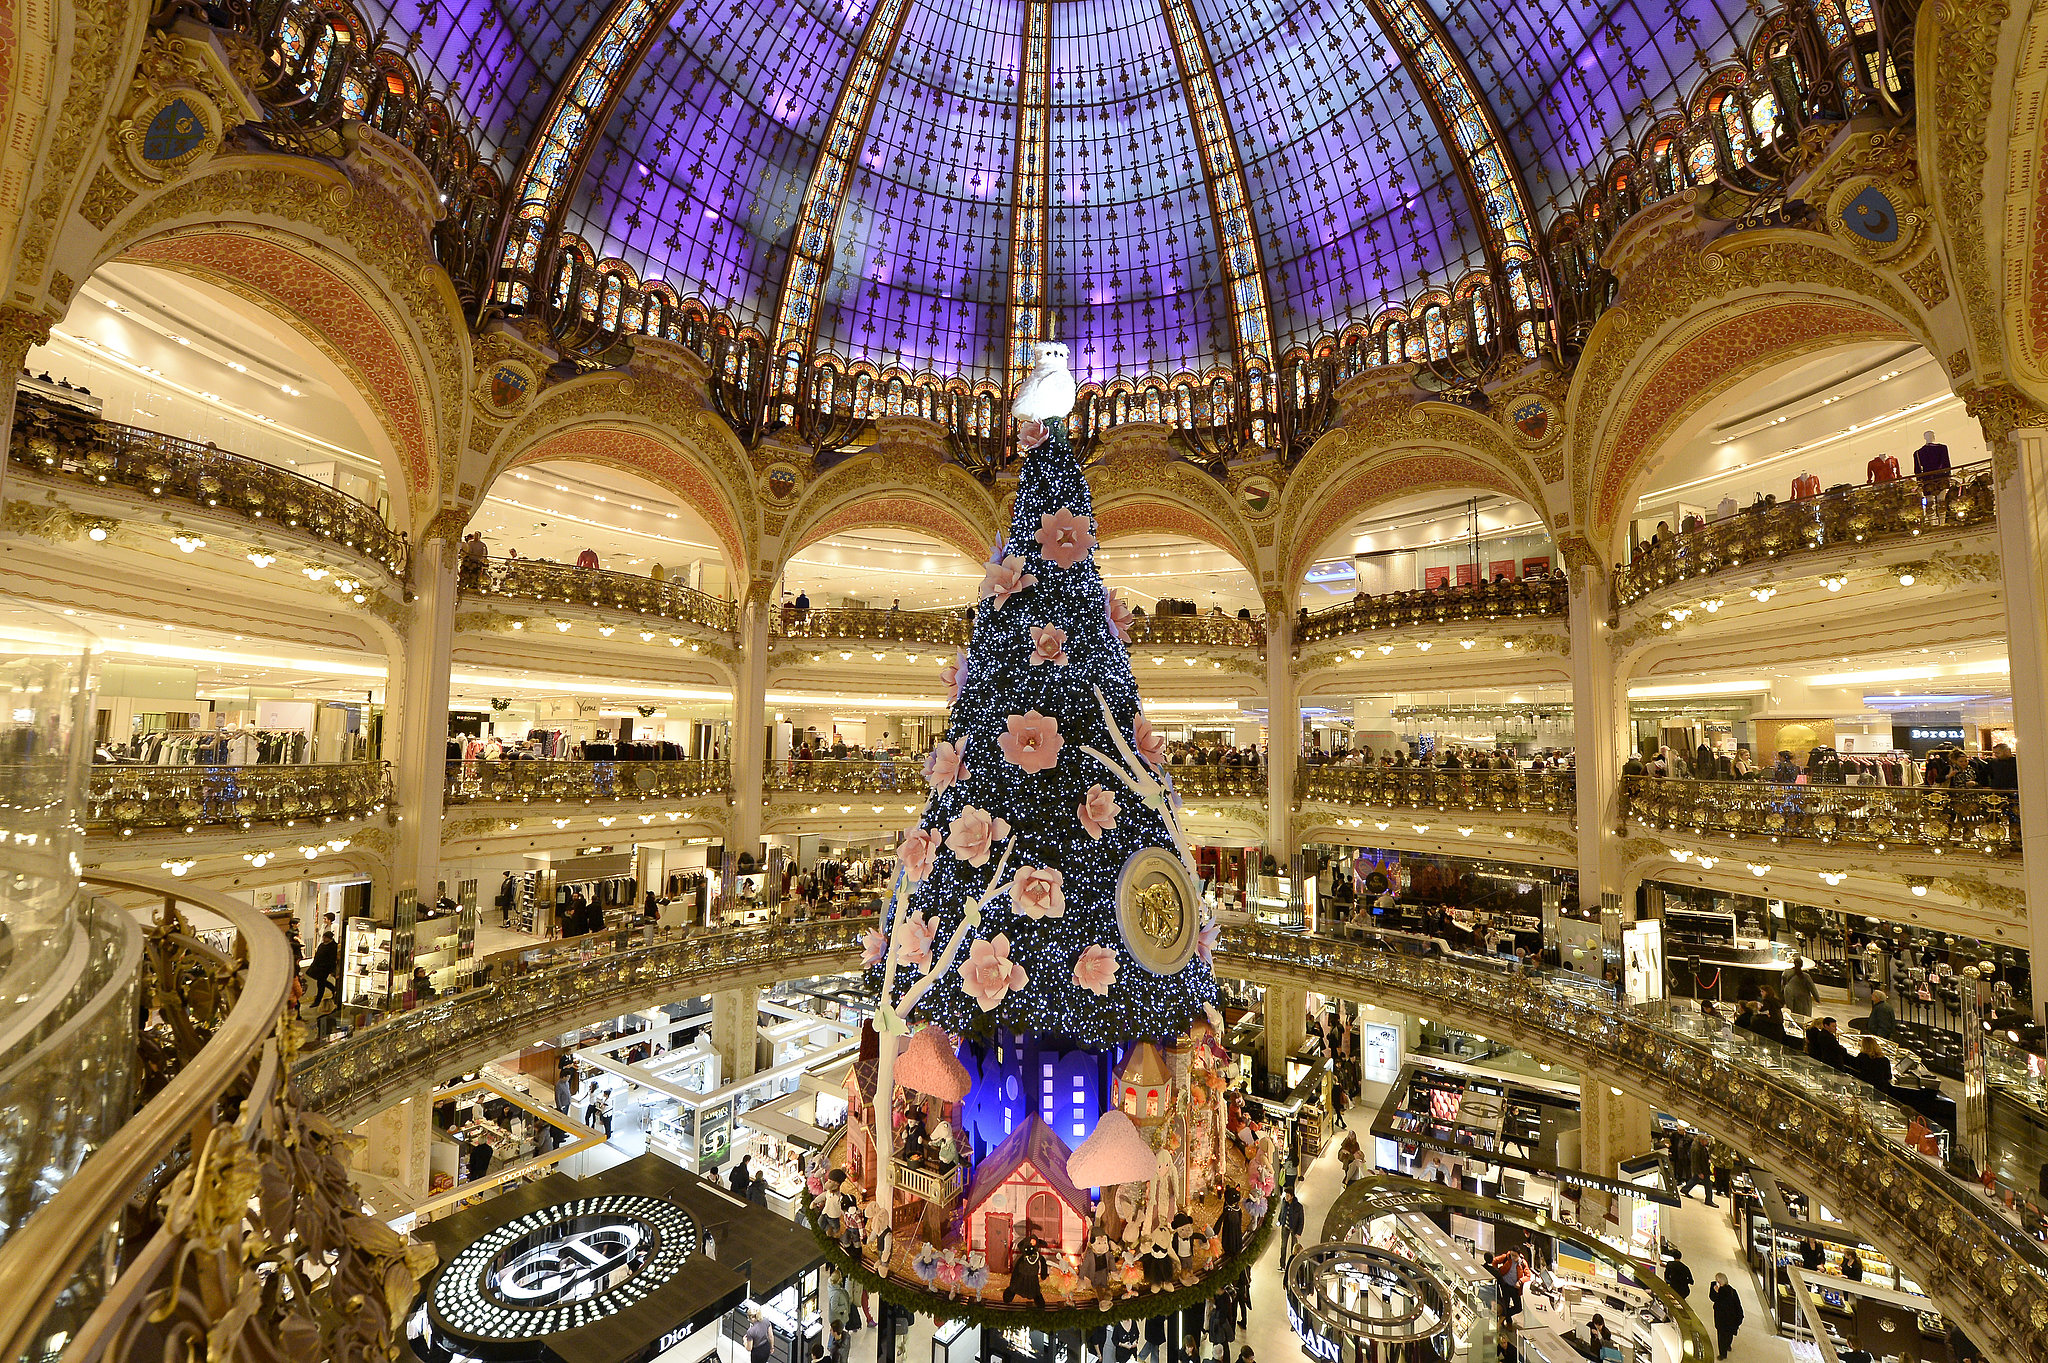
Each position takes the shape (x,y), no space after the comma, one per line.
(1039,893)
(1032,741)
(1096,970)
(1149,745)
(1004,578)
(1205,942)
(1064,538)
(1031,434)
(946,763)
(1120,616)
(1049,645)
(972,833)
(872,945)
(989,974)
(954,675)
(914,937)
(1098,812)
(916,851)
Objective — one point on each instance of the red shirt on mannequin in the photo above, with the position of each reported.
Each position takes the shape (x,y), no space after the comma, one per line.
(1807,486)
(1883,469)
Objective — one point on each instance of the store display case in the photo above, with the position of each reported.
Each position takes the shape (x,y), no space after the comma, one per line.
(1773,1222)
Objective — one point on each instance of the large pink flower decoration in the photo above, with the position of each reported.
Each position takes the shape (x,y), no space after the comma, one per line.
(989,974)
(954,675)
(1150,745)
(1039,893)
(1064,538)
(1048,645)
(1004,578)
(972,833)
(1205,942)
(1031,741)
(916,851)
(1096,970)
(872,944)
(1098,812)
(915,937)
(1120,616)
(945,764)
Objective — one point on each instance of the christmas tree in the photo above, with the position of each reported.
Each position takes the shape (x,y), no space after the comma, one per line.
(1047,889)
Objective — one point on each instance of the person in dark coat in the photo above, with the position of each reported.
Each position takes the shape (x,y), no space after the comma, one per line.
(325,957)
(757,1191)
(1727,1312)
(1678,1275)
(1291,1222)
(479,1160)
(1825,1045)
(1223,1320)
(742,1176)
(1871,1066)
(1155,1340)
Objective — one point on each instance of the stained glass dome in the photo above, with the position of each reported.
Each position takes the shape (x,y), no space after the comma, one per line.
(1166,185)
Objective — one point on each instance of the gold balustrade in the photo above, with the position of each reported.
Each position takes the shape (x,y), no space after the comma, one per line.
(829,625)
(847,776)
(1462,790)
(123,798)
(565,584)
(60,440)
(1197,631)
(1217,781)
(1839,518)
(1883,818)
(1529,597)
(540,781)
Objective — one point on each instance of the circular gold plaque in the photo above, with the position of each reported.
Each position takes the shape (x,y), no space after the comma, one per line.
(1157,910)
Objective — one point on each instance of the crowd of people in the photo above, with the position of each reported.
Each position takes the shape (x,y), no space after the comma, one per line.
(1949,768)
(1452,757)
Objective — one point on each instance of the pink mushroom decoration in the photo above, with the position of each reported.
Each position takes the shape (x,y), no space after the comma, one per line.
(928,1065)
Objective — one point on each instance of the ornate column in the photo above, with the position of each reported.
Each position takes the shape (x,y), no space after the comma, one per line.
(1600,721)
(2017,432)
(1286,1019)
(1283,729)
(735,1018)
(416,731)
(397,1143)
(1613,1126)
(749,716)
(20,332)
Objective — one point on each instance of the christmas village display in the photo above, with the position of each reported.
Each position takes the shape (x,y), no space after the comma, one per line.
(1040,1112)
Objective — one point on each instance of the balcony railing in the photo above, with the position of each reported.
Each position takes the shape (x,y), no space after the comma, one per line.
(551,583)
(1837,519)
(465,1029)
(847,775)
(1431,788)
(540,782)
(194,797)
(1880,817)
(1831,1133)
(53,438)
(953,628)
(1536,596)
(1197,631)
(1218,781)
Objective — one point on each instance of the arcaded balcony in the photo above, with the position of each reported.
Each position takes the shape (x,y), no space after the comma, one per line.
(1486,601)
(1880,818)
(1437,789)
(550,584)
(540,781)
(129,799)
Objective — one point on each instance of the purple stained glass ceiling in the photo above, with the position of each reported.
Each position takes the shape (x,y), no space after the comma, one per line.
(1354,195)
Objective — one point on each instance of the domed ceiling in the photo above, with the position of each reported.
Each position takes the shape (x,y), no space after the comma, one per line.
(1325,138)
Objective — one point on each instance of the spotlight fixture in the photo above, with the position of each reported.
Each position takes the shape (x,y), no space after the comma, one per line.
(188,543)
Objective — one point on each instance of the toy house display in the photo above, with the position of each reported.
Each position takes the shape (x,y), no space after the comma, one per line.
(1022,1186)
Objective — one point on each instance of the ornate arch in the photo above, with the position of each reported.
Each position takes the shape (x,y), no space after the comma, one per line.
(902,480)
(2024,244)
(1145,515)
(1705,319)
(343,260)
(1398,474)
(904,510)
(652,453)
(1141,484)
(1707,359)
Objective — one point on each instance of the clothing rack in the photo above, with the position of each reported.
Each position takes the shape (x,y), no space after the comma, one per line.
(221,747)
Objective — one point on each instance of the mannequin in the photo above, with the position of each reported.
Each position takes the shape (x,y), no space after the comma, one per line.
(1882,469)
(1726,509)
(1931,457)
(1807,484)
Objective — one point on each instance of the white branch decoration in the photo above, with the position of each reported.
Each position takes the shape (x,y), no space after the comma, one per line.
(1137,777)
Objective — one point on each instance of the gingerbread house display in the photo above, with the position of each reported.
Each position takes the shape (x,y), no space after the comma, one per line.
(1022,1185)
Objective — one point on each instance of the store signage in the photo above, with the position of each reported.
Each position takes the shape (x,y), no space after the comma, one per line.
(673,1338)
(587,1258)
(1570,1178)
(1314,1342)
(1936,735)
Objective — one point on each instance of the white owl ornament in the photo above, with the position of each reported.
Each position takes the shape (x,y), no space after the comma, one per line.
(1047,392)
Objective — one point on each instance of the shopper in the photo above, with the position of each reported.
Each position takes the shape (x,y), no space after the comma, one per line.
(741,1177)
(1678,1275)
(1824,1045)
(1727,1312)
(325,957)
(1154,1350)
(1291,1222)
(1882,1020)
(1871,1066)
(760,1338)
(1800,995)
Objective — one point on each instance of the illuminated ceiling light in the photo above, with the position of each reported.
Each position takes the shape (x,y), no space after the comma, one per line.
(1680,854)
(646,636)
(1158,662)
(1467,643)
(911,657)
(562,625)
(1834,877)
(1920,891)
(1464,832)
(1834,582)
(675,641)
(1905,579)
(846,657)
(606,630)
(188,543)
(1711,605)
(1705,862)
(96,533)
(261,559)
(1763,593)
(1386,649)
(178,868)
(1424,645)
(561,823)
(519,624)
(1420,827)
(314,573)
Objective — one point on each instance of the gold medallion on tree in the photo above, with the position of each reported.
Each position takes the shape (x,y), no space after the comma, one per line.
(1157,910)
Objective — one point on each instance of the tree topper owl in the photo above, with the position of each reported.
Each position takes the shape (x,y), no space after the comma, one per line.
(1047,392)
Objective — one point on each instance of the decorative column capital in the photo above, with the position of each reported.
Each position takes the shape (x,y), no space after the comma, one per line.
(2002,409)
(22,330)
